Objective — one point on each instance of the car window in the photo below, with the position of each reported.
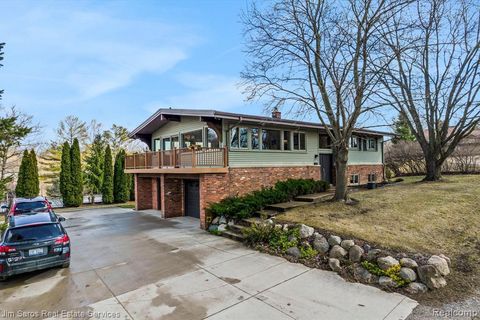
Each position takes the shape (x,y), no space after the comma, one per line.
(34,233)
(30,206)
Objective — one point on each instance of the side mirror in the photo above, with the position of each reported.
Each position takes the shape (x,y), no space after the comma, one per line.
(61,219)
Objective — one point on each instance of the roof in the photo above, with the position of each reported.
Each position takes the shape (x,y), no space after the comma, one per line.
(28,219)
(160,117)
(36,199)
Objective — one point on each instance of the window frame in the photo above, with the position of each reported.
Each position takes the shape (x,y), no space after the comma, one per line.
(239,140)
(182,134)
(299,134)
(351,144)
(374,148)
(374,174)
(352,179)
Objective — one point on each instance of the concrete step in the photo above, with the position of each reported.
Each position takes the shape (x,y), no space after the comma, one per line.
(314,197)
(285,206)
(232,235)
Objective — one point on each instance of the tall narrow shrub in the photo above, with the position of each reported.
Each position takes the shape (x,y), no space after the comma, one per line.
(107,187)
(35,181)
(120,179)
(20,187)
(65,176)
(28,183)
(132,187)
(76,174)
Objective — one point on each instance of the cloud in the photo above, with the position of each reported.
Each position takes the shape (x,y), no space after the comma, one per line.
(203,91)
(93,52)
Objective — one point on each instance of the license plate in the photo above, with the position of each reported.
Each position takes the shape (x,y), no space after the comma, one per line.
(36,252)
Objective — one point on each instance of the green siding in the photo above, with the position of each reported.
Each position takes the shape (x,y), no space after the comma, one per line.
(366,157)
(185,124)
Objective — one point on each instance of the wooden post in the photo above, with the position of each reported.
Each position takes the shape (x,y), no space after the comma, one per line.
(160,159)
(134,161)
(174,157)
(225,157)
(146,155)
(194,159)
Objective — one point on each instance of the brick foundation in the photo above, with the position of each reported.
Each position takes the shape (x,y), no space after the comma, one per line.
(143,193)
(364,170)
(172,197)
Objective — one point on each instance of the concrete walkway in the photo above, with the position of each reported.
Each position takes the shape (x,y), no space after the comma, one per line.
(137,266)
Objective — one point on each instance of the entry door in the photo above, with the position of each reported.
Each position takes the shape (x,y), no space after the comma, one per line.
(325,161)
(192,198)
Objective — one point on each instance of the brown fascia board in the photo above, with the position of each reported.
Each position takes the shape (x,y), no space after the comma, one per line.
(240,118)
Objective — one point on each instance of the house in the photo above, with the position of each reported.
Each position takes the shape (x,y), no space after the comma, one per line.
(202,156)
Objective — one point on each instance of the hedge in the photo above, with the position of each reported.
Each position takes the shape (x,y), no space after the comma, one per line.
(244,206)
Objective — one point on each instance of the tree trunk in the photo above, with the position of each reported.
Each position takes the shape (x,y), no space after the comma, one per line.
(434,169)
(341,158)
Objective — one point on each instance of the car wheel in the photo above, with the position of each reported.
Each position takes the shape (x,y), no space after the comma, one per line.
(66,265)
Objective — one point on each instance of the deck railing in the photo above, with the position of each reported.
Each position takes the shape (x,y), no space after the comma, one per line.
(178,158)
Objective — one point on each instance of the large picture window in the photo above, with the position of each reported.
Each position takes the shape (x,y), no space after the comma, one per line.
(287,144)
(353,142)
(270,139)
(193,138)
(298,141)
(255,139)
(239,137)
(156,144)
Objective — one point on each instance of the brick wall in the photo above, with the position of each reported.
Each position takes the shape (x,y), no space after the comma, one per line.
(172,197)
(364,170)
(143,193)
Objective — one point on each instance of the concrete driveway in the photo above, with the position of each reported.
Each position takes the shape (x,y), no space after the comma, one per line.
(131,265)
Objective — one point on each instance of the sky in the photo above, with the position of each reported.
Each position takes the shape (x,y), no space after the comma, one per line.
(119,61)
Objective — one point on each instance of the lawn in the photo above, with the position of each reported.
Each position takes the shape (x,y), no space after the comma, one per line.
(428,217)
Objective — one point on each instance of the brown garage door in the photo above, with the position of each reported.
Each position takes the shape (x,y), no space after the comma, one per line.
(192,198)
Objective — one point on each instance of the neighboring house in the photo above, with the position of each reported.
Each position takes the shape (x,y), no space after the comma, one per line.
(202,156)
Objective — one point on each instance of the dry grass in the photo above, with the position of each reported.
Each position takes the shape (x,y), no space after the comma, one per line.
(429,217)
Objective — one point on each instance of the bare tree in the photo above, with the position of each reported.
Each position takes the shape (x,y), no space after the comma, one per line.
(313,56)
(433,52)
(70,128)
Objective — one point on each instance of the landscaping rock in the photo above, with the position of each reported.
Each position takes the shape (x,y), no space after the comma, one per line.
(387,262)
(387,282)
(278,226)
(337,252)
(222,220)
(321,244)
(449,261)
(213,227)
(347,244)
(408,263)
(215,220)
(334,264)
(440,263)
(294,252)
(430,276)
(285,227)
(367,247)
(306,231)
(408,274)
(334,240)
(231,223)
(292,238)
(222,228)
(361,274)
(416,288)
(355,253)
(373,254)
(270,222)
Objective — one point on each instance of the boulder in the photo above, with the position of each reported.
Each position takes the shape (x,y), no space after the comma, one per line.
(222,220)
(285,227)
(222,227)
(430,276)
(440,263)
(231,223)
(355,253)
(321,244)
(449,261)
(292,238)
(213,227)
(337,252)
(373,254)
(408,274)
(215,220)
(386,263)
(361,274)
(306,231)
(269,222)
(387,282)
(347,244)
(334,240)
(334,264)
(408,263)
(294,252)
(416,288)
(367,247)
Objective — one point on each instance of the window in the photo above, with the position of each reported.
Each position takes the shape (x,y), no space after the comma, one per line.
(372,177)
(212,138)
(193,138)
(156,144)
(354,179)
(372,144)
(174,142)
(239,137)
(255,139)
(286,140)
(353,142)
(324,141)
(298,141)
(166,144)
(270,139)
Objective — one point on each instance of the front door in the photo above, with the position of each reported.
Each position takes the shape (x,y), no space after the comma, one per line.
(192,198)
(325,161)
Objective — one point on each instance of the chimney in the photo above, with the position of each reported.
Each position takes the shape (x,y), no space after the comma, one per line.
(276,114)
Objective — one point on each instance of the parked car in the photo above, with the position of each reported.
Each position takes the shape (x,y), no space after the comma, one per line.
(24,205)
(33,241)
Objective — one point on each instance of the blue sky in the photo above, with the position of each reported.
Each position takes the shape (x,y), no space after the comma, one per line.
(119,61)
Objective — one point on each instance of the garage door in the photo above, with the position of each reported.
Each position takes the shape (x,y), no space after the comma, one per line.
(192,198)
